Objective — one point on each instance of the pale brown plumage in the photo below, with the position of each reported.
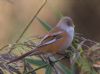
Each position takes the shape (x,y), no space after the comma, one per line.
(57,39)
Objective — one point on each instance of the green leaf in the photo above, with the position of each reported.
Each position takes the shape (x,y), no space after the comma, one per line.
(65,69)
(35,62)
(74,68)
(57,13)
(48,70)
(85,65)
(45,24)
(93,72)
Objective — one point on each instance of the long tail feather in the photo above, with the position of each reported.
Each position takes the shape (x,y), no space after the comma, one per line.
(23,56)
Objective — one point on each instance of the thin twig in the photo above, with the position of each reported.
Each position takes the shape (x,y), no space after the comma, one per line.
(4,46)
(31,22)
(27,25)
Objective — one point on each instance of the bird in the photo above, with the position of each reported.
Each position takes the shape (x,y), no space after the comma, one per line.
(56,40)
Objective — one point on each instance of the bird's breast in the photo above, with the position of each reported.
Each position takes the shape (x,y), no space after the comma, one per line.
(68,37)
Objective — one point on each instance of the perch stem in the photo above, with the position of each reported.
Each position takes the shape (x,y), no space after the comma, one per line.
(46,65)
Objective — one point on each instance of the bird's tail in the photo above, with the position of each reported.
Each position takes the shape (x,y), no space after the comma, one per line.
(35,51)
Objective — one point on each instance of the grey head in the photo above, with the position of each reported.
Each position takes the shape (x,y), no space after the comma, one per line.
(66,21)
(66,24)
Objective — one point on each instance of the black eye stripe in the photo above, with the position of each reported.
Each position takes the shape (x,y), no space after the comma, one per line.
(68,22)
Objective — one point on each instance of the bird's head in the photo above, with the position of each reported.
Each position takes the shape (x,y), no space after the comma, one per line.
(66,21)
(66,24)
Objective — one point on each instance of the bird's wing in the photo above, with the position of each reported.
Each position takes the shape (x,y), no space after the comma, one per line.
(51,38)
(46,41)
(41,39)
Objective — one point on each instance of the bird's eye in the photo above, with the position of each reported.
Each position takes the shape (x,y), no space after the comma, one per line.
(68,23)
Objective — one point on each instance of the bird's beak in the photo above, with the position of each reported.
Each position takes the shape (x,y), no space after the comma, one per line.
(73,25)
